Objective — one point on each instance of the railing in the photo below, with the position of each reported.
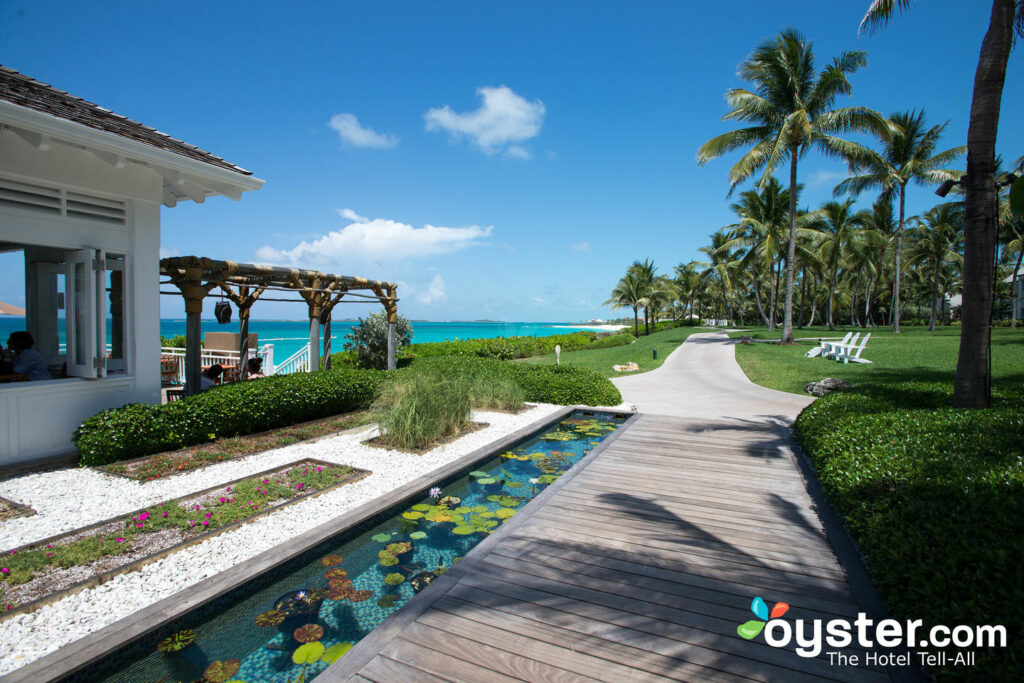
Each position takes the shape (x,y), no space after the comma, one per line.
(297,362)
(210,357)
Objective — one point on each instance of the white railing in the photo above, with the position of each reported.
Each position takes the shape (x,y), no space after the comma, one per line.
(297,362)
(210,357)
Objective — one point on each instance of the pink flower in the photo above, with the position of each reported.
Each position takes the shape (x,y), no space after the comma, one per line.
(144,516)
(298,487)
(205,523)
(120,540)
(191,522)
(5,570)
(165,514)
(228,490)
(139,525)
(197,507)
(266,481)
(14,552)
(49,554)
(222,500)
(49,546)
(319,469)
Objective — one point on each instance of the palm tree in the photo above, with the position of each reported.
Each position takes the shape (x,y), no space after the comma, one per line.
(687,284)
(908,153)
(646,273)
(718,274)
(791,112)
(972,387)
(760,232)
(628,292)
(883,226)
(936,245)
(840,228)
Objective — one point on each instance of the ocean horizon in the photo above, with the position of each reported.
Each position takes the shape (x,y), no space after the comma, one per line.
(288,336)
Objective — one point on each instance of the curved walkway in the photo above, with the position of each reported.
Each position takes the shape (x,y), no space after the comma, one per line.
(700,379)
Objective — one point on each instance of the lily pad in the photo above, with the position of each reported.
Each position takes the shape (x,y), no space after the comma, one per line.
(381,538)
(504,501)
(462,510)
(308,653)
(478,473)
(179,641)
(417,535)
(333,574)
(486,480)
(464,530)
(504,513)
(338,584)
(308,633)
(412,514)
(332,560)
(222,670)
(334,652)
(339,593)
(388,601)
(271,618)
(360,596)
(394,579)
(480,508)
(421,507)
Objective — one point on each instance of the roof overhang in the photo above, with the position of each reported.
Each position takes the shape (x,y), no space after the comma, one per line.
(183,178)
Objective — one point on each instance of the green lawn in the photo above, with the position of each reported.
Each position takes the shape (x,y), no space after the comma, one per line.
(639,352)
(913,355)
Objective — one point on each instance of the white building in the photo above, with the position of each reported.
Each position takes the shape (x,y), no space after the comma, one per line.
(80,196)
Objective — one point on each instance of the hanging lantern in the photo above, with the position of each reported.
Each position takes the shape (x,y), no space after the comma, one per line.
(222,311)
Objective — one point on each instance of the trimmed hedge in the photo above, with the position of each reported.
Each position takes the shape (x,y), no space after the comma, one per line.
(230,410)
(934,497)
(505,348)
(560,384)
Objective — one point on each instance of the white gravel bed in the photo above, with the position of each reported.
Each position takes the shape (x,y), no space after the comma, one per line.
(72,498)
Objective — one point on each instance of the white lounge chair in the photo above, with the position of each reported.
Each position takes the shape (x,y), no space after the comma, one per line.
(852,352)
(826,345)
(833,350)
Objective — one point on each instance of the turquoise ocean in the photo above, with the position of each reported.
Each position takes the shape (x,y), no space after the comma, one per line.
(288,336)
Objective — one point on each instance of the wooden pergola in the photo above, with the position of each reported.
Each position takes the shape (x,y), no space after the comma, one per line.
(244,283)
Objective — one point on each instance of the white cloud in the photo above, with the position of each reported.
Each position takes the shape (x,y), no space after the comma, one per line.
(352,216)
(503,118)
(435,291)
(379,239)
(167,252)
(353,133)
(582,247)
(825,177)
(537,301)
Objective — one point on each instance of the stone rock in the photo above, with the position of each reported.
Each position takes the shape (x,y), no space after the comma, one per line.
(745,340)
(826,386)
(628,367)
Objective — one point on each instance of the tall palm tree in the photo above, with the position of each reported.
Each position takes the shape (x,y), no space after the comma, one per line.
(883,224)
(936,240)
(647,274)
(841,228)
(718,274)
(687,284)
(907,154)
(628,292)
(791,112)
(972,387)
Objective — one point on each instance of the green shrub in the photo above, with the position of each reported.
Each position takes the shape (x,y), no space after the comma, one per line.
(230,410)
(369,340)
(934,497)
(505,348)
(563,385)
(420,409)
(175,342)
(609,342)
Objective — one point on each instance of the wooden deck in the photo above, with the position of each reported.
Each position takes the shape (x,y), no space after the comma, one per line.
(636,566)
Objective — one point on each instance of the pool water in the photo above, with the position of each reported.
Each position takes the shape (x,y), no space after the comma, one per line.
(293,623)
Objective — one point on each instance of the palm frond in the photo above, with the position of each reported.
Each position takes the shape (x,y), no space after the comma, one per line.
(727,142)
(879,13)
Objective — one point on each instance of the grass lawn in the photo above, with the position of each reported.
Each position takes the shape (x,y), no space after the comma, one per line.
(913,355)
(640,352)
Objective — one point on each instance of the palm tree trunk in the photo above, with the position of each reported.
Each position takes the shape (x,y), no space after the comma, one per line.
(972,388)
(757,300)
(636,323)
(803,293)
(897,264)
(935,297)
(1016,293)
(867,303)
(853,299)
(787,315)
(647,316)
(831,293)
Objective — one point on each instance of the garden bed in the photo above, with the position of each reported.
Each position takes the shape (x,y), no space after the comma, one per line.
(9,509)
(44,571)
(382,442)
(163,465)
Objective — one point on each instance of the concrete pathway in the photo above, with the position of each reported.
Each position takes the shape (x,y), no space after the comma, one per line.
(701,378)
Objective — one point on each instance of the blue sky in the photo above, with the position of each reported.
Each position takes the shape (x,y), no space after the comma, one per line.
(548,144)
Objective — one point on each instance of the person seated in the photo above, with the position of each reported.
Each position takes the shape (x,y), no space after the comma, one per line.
(24,359)
(210,376)
(254,368)
(6,367)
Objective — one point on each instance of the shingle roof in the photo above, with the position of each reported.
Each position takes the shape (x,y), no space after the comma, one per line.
(23,91)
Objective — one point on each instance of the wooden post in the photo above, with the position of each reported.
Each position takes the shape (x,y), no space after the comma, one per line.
(193,292)
(392,310)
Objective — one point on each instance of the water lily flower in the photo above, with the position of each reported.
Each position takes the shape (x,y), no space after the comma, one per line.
(435,492)
(301,595)
(534,481)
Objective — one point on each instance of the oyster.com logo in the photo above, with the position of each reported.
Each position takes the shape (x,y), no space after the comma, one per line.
(750,629)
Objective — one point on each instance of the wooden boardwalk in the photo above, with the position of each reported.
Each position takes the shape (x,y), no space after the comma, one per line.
(637,566)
